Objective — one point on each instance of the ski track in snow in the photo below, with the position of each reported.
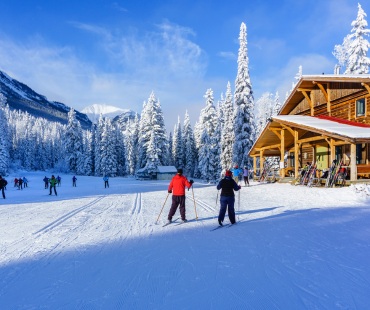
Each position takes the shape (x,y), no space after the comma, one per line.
(284,252)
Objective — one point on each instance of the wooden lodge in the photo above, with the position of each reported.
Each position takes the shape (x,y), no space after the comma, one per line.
(326,117)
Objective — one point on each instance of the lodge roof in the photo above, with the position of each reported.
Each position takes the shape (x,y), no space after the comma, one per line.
(330,127)
(310,82)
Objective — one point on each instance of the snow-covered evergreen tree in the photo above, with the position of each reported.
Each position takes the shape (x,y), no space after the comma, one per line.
(4,138)
(177,146)
(131,145)
(120,150)
(108,162)
(152,120)
(204,165)
(277,105)
(88,166)
(215,150)
(244,126)
(353,52)
(170,160)
(190,158)
(73,142)
(264,107)
(206,126)
(227,134)
(97,146)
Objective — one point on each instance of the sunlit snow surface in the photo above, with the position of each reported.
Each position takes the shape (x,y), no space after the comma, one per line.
(95,248)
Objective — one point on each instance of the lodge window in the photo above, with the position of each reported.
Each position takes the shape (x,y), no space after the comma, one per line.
(360,107)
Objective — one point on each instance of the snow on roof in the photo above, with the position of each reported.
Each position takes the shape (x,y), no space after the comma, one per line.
(166,169)
(348,130)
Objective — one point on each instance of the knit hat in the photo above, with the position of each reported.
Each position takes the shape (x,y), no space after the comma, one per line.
(228,173)
(179,171)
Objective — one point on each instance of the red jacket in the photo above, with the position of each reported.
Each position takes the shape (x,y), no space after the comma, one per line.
(178,184)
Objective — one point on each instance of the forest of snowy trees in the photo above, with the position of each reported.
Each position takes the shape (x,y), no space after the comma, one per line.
(221,138)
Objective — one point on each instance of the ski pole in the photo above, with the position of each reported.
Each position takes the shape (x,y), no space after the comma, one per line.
(195,207)
(239,202)
(216,200)
(162,208)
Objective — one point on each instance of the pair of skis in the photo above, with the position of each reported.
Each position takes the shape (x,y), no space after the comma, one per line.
(226,225)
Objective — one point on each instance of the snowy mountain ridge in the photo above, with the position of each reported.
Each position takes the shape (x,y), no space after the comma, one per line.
(93,111)
(21,97)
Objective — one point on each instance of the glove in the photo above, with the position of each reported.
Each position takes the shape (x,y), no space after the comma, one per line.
(169,191)
(191,181)
(240,187)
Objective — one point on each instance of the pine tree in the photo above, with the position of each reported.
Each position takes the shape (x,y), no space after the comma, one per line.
(108,162)
(206,128)
(244,105)
(152,120)
(177,146)
(189,147)
(353,51)
(73,140)
(4,138)
(264,107)
(131,145)
(227,134)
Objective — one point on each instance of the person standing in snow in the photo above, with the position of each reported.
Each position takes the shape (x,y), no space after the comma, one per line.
(106,181)
(16,182)
(177,187)
(246,175)
(25,182)
(236,172)
(227,197)
(74,179)
(20,183)
(3,184)
(59,179)
(53,182)
(46,181)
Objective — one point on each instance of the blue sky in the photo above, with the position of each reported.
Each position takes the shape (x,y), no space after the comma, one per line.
(117,52)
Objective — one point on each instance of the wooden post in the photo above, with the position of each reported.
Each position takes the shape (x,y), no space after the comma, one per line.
(296,149)
(254,166)
(262,160)
(332,151)
(282,153)
(353,176)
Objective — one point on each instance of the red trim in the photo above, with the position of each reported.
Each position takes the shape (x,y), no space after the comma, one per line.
(342,121)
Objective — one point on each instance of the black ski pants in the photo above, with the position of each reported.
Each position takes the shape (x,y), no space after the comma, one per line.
(176,202)
(55,190)
(3,192)
(227,202)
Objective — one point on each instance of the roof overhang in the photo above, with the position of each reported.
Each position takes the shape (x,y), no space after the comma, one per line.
(308,83)
(316,128)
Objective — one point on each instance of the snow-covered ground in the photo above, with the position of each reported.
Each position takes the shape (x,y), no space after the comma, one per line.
(95,248)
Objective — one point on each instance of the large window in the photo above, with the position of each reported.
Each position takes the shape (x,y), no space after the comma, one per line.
(360,107)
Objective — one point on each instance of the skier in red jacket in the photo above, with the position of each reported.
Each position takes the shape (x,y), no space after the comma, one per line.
(177,188)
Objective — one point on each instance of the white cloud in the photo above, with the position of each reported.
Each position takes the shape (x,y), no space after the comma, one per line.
(166,61)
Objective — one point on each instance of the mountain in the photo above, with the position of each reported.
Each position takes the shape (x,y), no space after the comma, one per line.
(21,97)
(118,115)
(93,111)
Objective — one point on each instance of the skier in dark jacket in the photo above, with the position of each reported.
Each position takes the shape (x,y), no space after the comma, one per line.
(106,181)
(46,181)
(177,185)
(3,184)
(74,179)
(227,197)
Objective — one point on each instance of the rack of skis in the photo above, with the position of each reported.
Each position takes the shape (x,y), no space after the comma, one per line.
(334,176)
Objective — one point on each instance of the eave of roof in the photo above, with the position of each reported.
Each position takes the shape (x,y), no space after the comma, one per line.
(307,82)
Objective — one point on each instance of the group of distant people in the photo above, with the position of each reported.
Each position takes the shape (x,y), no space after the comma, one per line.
(21,182)
(49,183)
